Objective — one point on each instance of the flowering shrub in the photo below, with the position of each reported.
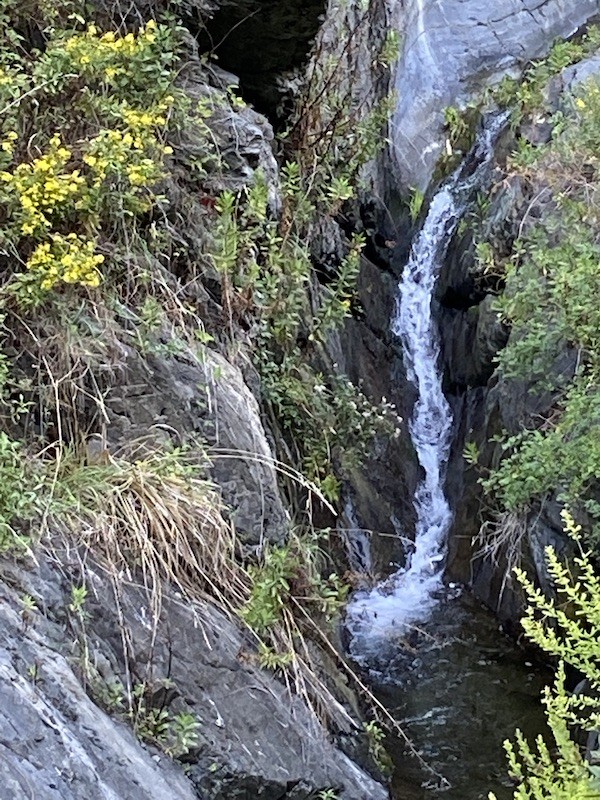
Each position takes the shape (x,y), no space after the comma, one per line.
(135,65)
(70,259)
(43,189)
(63,192)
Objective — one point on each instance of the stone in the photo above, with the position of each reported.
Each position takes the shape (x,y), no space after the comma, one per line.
(452,49)
(193,393)
(255,739)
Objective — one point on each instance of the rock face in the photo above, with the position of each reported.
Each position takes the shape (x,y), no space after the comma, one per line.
(452,48)
(254,740)
(487,404)
(198,393)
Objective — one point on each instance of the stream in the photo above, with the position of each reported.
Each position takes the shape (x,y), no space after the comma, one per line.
(436,658)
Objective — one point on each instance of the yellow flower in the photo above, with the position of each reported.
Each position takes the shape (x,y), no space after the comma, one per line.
(168,150)
(580,103)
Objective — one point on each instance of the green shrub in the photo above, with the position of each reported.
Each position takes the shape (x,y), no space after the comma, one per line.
(566,629)
(20,495)
(550,303)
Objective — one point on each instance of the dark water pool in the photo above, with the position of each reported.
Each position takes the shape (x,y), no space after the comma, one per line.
(459,689)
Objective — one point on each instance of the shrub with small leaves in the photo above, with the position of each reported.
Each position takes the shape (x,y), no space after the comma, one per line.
(567,630)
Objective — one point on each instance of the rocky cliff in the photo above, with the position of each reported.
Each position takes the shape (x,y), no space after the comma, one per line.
(451,51)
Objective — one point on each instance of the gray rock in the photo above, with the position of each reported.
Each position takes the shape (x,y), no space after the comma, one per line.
(55,744)
(255,740)
(197,392)
(452,48)
(573,76)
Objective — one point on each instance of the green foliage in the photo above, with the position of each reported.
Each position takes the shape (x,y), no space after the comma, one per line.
(456,125)
(267,273)
(461,126)
(334,422)
(174,733)
(328,794)
(287,574)
(550,303)
(376,739)
(268,658)
(415,204)
(568,630)
(471,453)
(527,93)
(78,598)
(83,151)
(20,495)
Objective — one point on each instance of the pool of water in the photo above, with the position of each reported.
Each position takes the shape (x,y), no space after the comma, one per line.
(459,687)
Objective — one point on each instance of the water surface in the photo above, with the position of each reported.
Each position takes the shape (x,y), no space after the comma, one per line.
(459,690)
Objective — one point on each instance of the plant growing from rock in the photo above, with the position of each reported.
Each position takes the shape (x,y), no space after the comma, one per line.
(566,629)
(550,304)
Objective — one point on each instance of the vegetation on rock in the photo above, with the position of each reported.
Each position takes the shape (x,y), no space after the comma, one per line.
(115,232)
(548,285)
(550,304)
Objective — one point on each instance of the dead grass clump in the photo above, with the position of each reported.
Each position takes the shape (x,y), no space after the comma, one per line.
(156,516)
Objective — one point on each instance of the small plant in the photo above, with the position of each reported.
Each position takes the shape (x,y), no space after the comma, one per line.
(328,794)
(183,734)
(78,600)
(268,658)
(287,577)
(471,453)
(20,498)
(175,734)
(415,204)
(376,739)
(29,609)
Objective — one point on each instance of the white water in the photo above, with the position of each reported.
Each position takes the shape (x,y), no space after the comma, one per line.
(409,595)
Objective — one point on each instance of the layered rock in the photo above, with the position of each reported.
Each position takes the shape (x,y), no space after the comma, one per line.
(452,49)
(254,738)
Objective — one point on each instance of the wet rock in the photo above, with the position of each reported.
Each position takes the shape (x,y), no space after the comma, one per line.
(452,49)
(55,743)
(371,356)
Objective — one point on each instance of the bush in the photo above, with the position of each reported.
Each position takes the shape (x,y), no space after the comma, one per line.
(568,631)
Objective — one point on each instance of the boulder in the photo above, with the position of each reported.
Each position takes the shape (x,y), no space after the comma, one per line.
(196,392)
(255,739)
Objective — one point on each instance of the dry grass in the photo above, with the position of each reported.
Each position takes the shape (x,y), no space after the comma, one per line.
(154,515)
(500,541)
(155,518)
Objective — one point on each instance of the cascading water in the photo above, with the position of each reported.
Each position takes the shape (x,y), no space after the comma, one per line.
(408,596)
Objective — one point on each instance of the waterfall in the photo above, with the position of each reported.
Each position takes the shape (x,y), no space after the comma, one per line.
(408,596)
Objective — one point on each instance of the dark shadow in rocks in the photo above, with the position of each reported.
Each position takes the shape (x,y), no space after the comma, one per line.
(259,41)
